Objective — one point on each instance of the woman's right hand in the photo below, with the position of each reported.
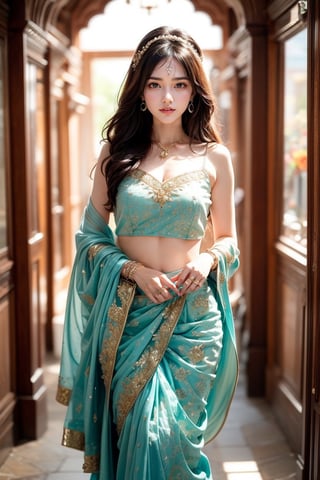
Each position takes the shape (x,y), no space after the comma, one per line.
(156,285)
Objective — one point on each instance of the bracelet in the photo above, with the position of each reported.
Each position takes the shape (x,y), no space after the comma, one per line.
(214,257)
(130,268)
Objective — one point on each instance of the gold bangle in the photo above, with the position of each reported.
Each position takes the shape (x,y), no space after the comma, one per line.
(214,257)
(130,268)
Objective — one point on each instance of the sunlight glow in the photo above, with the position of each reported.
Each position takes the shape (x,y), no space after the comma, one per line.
(242,470)
(240,466)
(122,25)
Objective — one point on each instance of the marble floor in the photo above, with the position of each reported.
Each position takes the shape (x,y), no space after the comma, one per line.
(250,446)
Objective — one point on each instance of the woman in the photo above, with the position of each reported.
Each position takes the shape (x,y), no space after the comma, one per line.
(149,366)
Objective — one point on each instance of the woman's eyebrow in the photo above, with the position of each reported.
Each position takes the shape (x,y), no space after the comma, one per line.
(173,78)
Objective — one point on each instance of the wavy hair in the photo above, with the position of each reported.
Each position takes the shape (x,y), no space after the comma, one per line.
(128,132)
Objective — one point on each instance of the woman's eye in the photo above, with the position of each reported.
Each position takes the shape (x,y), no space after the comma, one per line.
(181,85)
(153,85)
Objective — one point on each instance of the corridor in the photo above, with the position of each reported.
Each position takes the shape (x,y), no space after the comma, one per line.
(250,447)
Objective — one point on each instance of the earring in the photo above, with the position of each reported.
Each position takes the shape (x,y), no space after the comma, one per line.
(190,107)
(143,106)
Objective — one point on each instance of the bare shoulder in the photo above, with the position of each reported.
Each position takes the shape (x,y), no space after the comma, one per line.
(217,152)
(220,158)
(220,162)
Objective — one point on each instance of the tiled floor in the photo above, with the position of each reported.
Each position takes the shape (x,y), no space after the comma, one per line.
(250,447)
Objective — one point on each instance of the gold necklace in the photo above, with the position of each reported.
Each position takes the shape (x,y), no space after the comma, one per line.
(164,150)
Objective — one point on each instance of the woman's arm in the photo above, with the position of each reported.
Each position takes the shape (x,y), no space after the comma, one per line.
(99,192)
(223,207)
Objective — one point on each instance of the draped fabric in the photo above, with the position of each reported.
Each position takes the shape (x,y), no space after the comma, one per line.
(145,385)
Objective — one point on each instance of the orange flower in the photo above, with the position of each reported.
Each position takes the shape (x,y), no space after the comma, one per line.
(299,158)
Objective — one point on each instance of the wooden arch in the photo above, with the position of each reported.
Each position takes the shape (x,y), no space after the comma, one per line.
(75,14)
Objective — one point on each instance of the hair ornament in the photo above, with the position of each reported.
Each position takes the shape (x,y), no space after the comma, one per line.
(166,36)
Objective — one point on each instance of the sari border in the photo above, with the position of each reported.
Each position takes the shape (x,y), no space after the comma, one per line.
(91,464)
(117,316)
(73,439)
(148,361)
(63,395)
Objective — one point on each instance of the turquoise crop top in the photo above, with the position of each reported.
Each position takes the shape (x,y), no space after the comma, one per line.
(175,208)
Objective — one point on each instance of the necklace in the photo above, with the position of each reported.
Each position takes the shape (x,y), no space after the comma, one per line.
(164,150)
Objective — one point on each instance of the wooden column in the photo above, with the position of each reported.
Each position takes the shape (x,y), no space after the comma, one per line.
(28,229)
(255,206)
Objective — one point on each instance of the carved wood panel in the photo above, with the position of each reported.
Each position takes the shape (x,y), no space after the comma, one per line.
(288,343)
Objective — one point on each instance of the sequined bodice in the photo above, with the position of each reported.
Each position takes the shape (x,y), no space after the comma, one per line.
(175,208)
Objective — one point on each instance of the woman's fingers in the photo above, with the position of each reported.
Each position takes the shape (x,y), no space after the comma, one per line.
(188,281)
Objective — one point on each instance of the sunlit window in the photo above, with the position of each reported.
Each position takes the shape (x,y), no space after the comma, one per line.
(294,222)
(108,32)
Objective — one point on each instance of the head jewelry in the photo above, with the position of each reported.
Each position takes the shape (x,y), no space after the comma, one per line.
(167,36)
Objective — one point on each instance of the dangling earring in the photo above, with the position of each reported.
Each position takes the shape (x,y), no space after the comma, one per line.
(190,107)
(143,106)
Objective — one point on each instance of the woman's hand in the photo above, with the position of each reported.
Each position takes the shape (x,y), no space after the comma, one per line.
(193,275)
(156,285)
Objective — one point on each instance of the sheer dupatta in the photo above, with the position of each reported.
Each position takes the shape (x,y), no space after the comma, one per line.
(96,315)
(92,291)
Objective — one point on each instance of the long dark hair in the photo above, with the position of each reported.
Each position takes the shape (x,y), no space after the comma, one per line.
(129,130)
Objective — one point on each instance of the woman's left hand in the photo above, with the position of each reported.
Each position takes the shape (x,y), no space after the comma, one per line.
(193,275)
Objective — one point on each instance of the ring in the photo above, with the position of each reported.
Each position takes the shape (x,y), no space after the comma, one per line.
(188,281)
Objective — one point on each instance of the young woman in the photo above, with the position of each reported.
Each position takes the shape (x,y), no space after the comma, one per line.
(149,365)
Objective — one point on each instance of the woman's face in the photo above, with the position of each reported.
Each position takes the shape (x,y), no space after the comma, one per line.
(168,91)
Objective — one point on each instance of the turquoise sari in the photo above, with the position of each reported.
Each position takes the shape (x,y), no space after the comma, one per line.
(146,385)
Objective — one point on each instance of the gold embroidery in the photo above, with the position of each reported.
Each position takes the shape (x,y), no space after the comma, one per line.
(63,395)
(196,354)
(148,361)
(115,325)
(94,250)
(222,277)
(163,190)
(91,463)
(201,304)
(202,387)
(73,439)
(87,298)
(180,373)
(181,394)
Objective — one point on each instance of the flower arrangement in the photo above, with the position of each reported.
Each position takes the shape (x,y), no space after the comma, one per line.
(299,160)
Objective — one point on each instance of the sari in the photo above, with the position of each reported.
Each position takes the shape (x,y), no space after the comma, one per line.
(146,385)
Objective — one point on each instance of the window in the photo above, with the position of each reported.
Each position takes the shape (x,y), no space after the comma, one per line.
(294,219)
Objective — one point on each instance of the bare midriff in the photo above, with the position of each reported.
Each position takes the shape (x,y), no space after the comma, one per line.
(159,253)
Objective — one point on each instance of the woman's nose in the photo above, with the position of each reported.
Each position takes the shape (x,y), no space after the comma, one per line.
(167,97)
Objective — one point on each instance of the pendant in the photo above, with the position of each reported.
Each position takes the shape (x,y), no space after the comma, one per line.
(164,154)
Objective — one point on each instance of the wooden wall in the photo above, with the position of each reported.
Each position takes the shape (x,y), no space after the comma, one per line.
(7,297)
